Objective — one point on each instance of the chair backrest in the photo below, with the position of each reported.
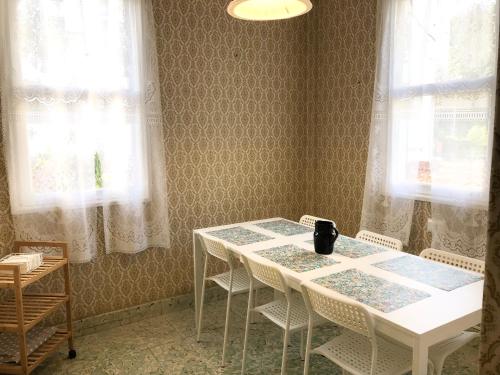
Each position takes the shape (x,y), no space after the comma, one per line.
(218,250)
(266,272)
(380,240)
(452,259)
(338,309)
(310,221)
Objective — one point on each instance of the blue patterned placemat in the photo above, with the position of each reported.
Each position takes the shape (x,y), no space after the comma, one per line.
(351,248)
(239,235)
(296,258)
(284,227)
(428,272)
(373,291)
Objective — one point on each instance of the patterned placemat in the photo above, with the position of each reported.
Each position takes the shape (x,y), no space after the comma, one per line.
(239,235)
(284,227)
(428,272)
(351,248)
(296,258)
(373,291)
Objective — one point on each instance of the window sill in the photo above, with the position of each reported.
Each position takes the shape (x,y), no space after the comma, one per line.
(448,199)
(94,199)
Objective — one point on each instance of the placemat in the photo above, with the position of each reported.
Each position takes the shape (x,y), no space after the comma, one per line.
(429,272)
(370,290)
(284,227)
(296,258)
(351,248)
(239,236)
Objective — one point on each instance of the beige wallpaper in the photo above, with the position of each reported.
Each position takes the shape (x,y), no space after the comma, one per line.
(490,325)
(261,120)
(233,97)
(345,64)
(343,52)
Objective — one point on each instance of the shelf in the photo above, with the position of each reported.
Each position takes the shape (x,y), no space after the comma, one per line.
(35,306)
(50,264)
(39,355)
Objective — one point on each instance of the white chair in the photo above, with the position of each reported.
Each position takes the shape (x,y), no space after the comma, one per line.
(235,281)
(460,261)
(310,221)
(380,240)
(439,352)
(289,313)
(358,349)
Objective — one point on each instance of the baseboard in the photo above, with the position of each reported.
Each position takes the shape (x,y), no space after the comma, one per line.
(128,315)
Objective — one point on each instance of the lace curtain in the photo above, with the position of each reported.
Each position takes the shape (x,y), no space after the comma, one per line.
(432,120)
(82,126)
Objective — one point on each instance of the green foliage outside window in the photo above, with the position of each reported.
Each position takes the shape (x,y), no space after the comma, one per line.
(98,171)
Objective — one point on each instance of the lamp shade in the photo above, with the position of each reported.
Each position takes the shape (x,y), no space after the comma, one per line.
(267,10)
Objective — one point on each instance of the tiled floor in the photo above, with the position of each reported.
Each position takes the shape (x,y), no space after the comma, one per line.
(166,344)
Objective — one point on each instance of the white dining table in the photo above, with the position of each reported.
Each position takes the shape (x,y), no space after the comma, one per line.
(418,325)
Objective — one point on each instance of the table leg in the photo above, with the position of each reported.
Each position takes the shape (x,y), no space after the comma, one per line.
(420,358)
(198,275)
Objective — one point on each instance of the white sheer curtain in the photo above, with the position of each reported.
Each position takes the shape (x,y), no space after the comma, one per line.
(82,124)
(432,120)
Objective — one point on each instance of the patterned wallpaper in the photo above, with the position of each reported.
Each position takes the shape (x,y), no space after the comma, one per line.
(233,98)
(490,326)
(342,49)
(345,63)
(261,120)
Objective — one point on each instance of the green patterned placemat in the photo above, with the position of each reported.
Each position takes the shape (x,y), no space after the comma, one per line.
(284,227)
(370,290)
(429,272)
(352,248)
(296,258)
(239,236)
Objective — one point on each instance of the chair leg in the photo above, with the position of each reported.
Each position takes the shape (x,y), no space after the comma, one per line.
(228,310)
(308,346)
(302,351)
(253,314)
(202,298)
(438,366)
(247,325)
(255,304)
(285,340)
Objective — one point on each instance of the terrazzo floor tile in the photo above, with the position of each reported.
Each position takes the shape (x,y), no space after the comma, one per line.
(166,344)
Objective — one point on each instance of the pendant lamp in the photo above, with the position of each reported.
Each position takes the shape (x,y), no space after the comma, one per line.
(268,10)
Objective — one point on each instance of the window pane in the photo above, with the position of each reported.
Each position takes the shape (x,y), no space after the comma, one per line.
(443,40)
(461,140)
(89,44)
(79,124)
(443,78)
(65,142)
(441,144)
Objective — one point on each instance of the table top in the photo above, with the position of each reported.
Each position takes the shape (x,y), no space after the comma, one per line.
(412,294)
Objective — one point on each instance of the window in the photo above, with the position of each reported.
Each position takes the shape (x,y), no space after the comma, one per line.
(76,122)
(443,65)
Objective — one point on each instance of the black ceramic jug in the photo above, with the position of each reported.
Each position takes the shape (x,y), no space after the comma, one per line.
(325,235)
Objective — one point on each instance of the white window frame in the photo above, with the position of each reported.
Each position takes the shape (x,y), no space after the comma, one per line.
(420,190)
(28,200)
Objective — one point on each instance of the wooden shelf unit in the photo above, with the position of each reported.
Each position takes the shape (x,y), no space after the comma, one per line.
(39,355)
(24,311)
(50,264)
(36,307)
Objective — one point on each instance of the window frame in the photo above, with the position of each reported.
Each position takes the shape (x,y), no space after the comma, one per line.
(27,199)
(422,191)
